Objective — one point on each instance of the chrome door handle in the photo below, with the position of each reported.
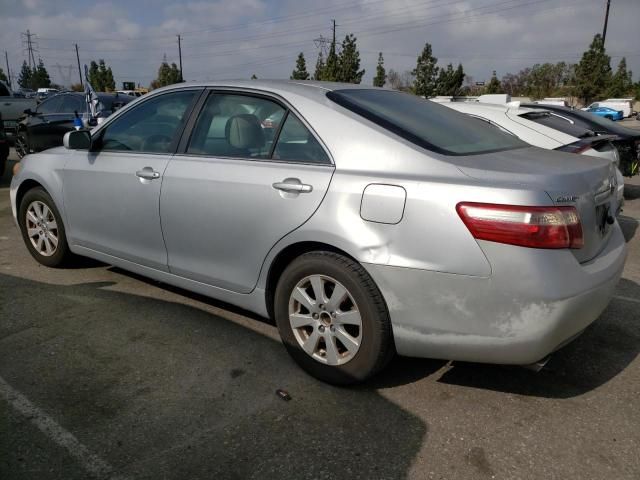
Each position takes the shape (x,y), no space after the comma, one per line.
(148,173)
(293,187)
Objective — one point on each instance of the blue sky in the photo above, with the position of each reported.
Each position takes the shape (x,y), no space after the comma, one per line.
(235,39)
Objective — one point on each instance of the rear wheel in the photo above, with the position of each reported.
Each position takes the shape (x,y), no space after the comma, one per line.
(42,229)
(332,318)
(609,117)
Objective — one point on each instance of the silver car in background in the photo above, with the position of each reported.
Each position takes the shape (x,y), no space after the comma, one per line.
(364,221)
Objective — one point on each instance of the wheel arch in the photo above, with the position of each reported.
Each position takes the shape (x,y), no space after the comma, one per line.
(24,187)
(285,257)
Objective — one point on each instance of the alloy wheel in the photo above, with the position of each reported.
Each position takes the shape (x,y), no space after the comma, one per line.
(42,228)
(325,320)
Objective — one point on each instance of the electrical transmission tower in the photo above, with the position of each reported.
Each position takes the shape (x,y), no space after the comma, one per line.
(30,45)
(324,43)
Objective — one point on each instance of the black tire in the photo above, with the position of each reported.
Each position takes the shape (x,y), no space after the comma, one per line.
(376,344)
(609,117)
(61,255)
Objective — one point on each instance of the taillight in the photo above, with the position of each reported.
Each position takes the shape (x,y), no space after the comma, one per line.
(535,227)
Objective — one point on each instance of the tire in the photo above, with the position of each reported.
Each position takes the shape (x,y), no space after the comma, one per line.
(3,165)
(609,117)
(45,225)
(359,351)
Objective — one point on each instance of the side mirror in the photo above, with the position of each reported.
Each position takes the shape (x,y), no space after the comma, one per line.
(77,140)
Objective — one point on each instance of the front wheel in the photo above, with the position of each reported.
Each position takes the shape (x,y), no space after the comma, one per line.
(42,229)
(332,318)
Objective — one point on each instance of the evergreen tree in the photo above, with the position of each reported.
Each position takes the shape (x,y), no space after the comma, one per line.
(3,77)
(494,85)
(449,80)
(94,76)
(349,62)
(425,73)
(167,75)
(320,66)
(109,82)
(621,82)
(330,70)
(300,72)
(593,73)
(26,74)
(42,79)
(381,74)
(254,77)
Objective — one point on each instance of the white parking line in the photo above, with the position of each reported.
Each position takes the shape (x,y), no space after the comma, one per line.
(93,464)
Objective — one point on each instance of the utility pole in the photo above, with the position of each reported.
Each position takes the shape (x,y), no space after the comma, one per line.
(334,31)
(180,57)
(29,44)
(79,70)
(606,20)
(6,57)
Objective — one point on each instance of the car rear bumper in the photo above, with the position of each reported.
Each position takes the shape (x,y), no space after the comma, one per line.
(533,303)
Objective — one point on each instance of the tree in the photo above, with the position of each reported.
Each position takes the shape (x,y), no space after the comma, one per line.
(349,62)
(621,83)
(330,70)
(106,76)
(320,66)
(425,73)
(381,75)
(26,74)
(254,77)
(494,85)
(401,81)
(593,72)
(3,77)
(77,87)
(94,76)
(449,80)
(300,72)
(41,77)
(167,75)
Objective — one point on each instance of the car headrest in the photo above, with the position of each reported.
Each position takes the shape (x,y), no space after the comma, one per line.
(244,131)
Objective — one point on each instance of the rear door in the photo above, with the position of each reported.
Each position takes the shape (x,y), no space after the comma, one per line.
(250,172)
(40,131)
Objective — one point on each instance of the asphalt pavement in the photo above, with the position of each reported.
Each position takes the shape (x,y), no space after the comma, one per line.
(104,374)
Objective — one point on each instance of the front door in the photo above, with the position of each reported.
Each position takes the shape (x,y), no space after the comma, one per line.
(239,186)
(112,193)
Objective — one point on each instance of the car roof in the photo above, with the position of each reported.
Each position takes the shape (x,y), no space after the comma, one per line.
(306,88)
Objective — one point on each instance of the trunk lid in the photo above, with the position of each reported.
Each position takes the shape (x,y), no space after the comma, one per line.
(588,183)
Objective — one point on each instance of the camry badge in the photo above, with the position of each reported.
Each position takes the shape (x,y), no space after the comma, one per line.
(566,198)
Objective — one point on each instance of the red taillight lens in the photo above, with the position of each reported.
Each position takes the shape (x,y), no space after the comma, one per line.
(535,227)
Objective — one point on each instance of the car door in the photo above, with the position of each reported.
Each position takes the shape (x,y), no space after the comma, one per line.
(249,172)
(40,134)
(111,193)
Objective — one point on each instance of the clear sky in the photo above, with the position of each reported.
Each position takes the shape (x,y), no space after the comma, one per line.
(225,39)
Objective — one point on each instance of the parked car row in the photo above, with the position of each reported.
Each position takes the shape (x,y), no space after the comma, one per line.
(366,222)
(45,126)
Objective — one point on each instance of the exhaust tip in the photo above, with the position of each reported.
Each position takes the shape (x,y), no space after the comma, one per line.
(539,365)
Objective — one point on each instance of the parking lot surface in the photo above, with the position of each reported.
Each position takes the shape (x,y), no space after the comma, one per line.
(104,374)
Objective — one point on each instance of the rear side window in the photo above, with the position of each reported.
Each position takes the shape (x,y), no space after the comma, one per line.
(52,105)
(560,123)
(424,123)
(296,143)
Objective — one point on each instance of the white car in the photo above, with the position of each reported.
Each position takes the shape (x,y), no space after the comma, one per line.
(528,124)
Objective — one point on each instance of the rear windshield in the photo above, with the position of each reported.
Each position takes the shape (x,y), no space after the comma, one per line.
(560,123)
(424,123)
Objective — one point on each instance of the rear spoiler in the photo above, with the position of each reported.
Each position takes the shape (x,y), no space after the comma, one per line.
(588,142)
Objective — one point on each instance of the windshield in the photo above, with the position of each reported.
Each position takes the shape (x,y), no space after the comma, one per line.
(424,123)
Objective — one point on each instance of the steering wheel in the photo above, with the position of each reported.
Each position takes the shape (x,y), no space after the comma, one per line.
(152,143)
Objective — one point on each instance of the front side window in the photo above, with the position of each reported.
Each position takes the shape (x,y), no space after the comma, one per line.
(52,105)
(73,103)
(424,123)
(149,127)
(232,125)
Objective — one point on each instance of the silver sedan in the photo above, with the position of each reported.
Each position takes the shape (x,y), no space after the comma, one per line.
(364,221)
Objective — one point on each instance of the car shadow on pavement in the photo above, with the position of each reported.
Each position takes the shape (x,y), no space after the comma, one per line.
(604,350)
(160,389)
(629,225)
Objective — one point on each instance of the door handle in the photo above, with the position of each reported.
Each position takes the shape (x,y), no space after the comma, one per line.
(148,173)
(293,187)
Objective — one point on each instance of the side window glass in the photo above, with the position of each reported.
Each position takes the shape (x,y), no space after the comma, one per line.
(73,103)
(151,126)
(296,143)
(51,105)
(233,125)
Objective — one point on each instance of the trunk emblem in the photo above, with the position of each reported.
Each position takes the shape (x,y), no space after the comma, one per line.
(566,199)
